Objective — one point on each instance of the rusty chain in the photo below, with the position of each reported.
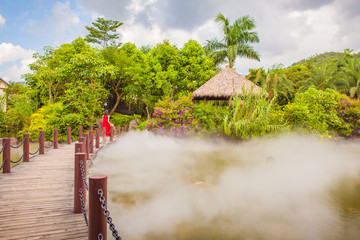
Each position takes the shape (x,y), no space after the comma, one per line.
(102,199)
(19,144)
(82,200)
(83,175)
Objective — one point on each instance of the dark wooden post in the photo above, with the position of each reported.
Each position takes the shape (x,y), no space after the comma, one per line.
(125,128)
(97,138)
(97,219)
(42,142)
(26,147)
(91,143)
(78,182)
(80,131)
(7,155)
(68,135)
(56,140)
(87,147)
(82,140)
(111,133)
(91,127)
(119,130)
(79,147)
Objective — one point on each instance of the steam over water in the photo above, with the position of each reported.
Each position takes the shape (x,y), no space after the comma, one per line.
(291,187)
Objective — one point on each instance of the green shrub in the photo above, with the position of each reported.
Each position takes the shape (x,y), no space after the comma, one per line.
(122,120)
(210,117)
(349,112)
(174,117)
(315,110)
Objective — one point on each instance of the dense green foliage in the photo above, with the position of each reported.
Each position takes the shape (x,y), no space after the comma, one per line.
(174,117)
(315,110)
(122,120)
(69,85)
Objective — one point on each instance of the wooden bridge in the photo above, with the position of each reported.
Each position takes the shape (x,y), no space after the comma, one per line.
(37,198)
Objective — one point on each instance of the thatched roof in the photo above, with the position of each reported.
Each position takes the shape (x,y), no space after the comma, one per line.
(223,85)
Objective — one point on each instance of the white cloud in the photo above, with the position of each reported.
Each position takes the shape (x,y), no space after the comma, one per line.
(288,31)
(16,59)
(2,20)
(62,24)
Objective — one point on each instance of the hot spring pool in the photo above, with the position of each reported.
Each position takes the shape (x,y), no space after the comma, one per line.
(291,187)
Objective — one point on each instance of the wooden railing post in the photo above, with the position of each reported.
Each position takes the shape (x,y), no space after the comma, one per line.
(79,147)
(42,142)
(87,147)
(97,219)
(7,155)
(78,182)
(125,128)
(82,140)
(91,142)
(56,140)
(97,138)
(80,131)
(68,135)
(26,147)
(111,133)
(119,130)
(91,127)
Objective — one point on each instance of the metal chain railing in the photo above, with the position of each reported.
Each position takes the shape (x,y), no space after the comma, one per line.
(102,199)
(83,175)
(15,162)
(19,144)
(4,160)
(82,200)
(35,140)
(35,152)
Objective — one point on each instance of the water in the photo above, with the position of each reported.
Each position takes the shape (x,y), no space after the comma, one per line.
(291,187)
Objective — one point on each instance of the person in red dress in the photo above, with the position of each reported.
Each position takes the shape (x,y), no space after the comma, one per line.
(106,123)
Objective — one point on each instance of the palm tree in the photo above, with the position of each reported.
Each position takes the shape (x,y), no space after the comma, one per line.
(324,76)
(236,41)
(352,71)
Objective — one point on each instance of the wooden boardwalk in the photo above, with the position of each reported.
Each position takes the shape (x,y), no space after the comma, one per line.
(36,198)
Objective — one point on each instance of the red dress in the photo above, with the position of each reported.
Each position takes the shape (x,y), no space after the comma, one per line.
(106,125)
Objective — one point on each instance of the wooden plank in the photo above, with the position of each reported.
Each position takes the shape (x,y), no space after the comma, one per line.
(36,199)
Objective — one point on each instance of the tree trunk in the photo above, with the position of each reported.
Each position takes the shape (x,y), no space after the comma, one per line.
(147,111)
(118,97)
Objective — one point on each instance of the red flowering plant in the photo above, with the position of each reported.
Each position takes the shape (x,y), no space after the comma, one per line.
(174,117)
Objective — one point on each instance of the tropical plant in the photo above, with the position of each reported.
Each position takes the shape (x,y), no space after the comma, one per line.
(249,116)
(323,76)
(236,41)
(352,71)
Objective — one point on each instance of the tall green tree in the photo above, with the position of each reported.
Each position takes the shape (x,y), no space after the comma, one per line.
(237,40)
(101,32)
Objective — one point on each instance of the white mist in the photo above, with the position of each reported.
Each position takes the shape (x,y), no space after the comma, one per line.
(168,188)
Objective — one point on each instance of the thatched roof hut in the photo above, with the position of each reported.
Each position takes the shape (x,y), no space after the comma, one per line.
(224,85)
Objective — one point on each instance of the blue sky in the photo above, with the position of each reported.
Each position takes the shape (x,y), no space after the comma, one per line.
(289,30)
